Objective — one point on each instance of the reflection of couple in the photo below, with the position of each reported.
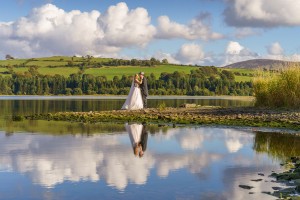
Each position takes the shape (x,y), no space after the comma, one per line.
(138,137)
(137,97)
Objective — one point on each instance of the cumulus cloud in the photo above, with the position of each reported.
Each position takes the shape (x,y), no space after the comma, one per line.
(260,13)
(275,49)
(245,32)
(235,53)
(196,29)
(189,53)
(49,30)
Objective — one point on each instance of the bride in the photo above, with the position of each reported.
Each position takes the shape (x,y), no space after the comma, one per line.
(134,99)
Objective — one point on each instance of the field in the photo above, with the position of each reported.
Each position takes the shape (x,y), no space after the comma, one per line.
(59,65)
(110,72)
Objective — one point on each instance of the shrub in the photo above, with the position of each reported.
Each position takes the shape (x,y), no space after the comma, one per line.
(278,89)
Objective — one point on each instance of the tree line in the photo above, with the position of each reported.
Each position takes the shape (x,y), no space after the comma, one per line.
(201,81)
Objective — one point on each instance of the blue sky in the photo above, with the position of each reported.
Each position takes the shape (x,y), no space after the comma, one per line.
(204,32)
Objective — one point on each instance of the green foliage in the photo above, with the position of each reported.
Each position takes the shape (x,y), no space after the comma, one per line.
(278,89)
(177,83)
(162,106)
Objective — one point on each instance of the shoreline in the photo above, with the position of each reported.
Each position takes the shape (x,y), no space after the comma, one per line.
(42,97)
(200,115)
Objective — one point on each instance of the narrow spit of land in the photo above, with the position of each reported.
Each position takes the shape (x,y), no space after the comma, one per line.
(203,115)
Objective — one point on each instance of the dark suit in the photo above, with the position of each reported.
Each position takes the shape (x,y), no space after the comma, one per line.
(144,90)
(144,138)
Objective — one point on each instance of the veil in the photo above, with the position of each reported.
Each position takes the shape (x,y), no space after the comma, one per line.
(128,99)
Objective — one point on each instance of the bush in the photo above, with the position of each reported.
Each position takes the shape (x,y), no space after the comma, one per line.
(278,89)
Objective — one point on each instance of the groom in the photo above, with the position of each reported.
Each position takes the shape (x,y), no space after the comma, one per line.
(144,89)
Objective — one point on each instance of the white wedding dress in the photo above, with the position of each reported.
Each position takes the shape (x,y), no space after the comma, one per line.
(135,133)
(134,99)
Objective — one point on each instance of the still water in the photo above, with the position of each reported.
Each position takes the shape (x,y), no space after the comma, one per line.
(62,160)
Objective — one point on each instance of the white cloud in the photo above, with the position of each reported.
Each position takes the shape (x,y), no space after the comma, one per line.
(261,13)
(275,49)
(190,53)
(196,29)
(49,30)
(234,48)
(245,32)
(168,56)
(124,27)
(235,53)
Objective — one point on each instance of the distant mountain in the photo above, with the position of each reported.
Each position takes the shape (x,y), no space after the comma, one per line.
(262,63)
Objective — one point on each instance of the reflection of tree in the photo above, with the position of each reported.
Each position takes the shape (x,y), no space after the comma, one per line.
(62,128)
(65,128)
(277,145)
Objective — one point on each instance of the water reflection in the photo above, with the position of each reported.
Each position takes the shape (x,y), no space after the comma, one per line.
(138,136)
(37,106)
(277,145)
(181,162)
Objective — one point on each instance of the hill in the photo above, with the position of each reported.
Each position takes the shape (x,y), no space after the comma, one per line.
(261,63)
(109,67)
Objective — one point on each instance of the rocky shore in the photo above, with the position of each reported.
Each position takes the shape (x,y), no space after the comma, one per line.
(203,115)
(291,178)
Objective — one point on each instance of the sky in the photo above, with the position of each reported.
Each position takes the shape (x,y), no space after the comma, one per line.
(197,32)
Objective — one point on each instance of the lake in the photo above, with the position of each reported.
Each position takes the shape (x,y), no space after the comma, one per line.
(64,160)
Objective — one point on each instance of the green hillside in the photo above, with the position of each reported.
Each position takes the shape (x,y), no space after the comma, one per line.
(65,66)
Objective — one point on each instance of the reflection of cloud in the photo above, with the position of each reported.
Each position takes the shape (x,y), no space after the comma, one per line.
(194,162)
(188,138)
(233,177)
(52,160)
(204,152)
(191,140)
(233,145)
(119,169)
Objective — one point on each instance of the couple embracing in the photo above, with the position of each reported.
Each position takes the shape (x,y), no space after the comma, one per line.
(137,97)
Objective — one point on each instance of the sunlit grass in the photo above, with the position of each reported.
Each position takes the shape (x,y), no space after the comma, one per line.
(45,64)
(56,65)
(21,70)
(246,71)
(278,89)
(110,72)
(12,62)
(2,69)
(65,71)
(243,78)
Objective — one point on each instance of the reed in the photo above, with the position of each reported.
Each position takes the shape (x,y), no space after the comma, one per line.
(281,89)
